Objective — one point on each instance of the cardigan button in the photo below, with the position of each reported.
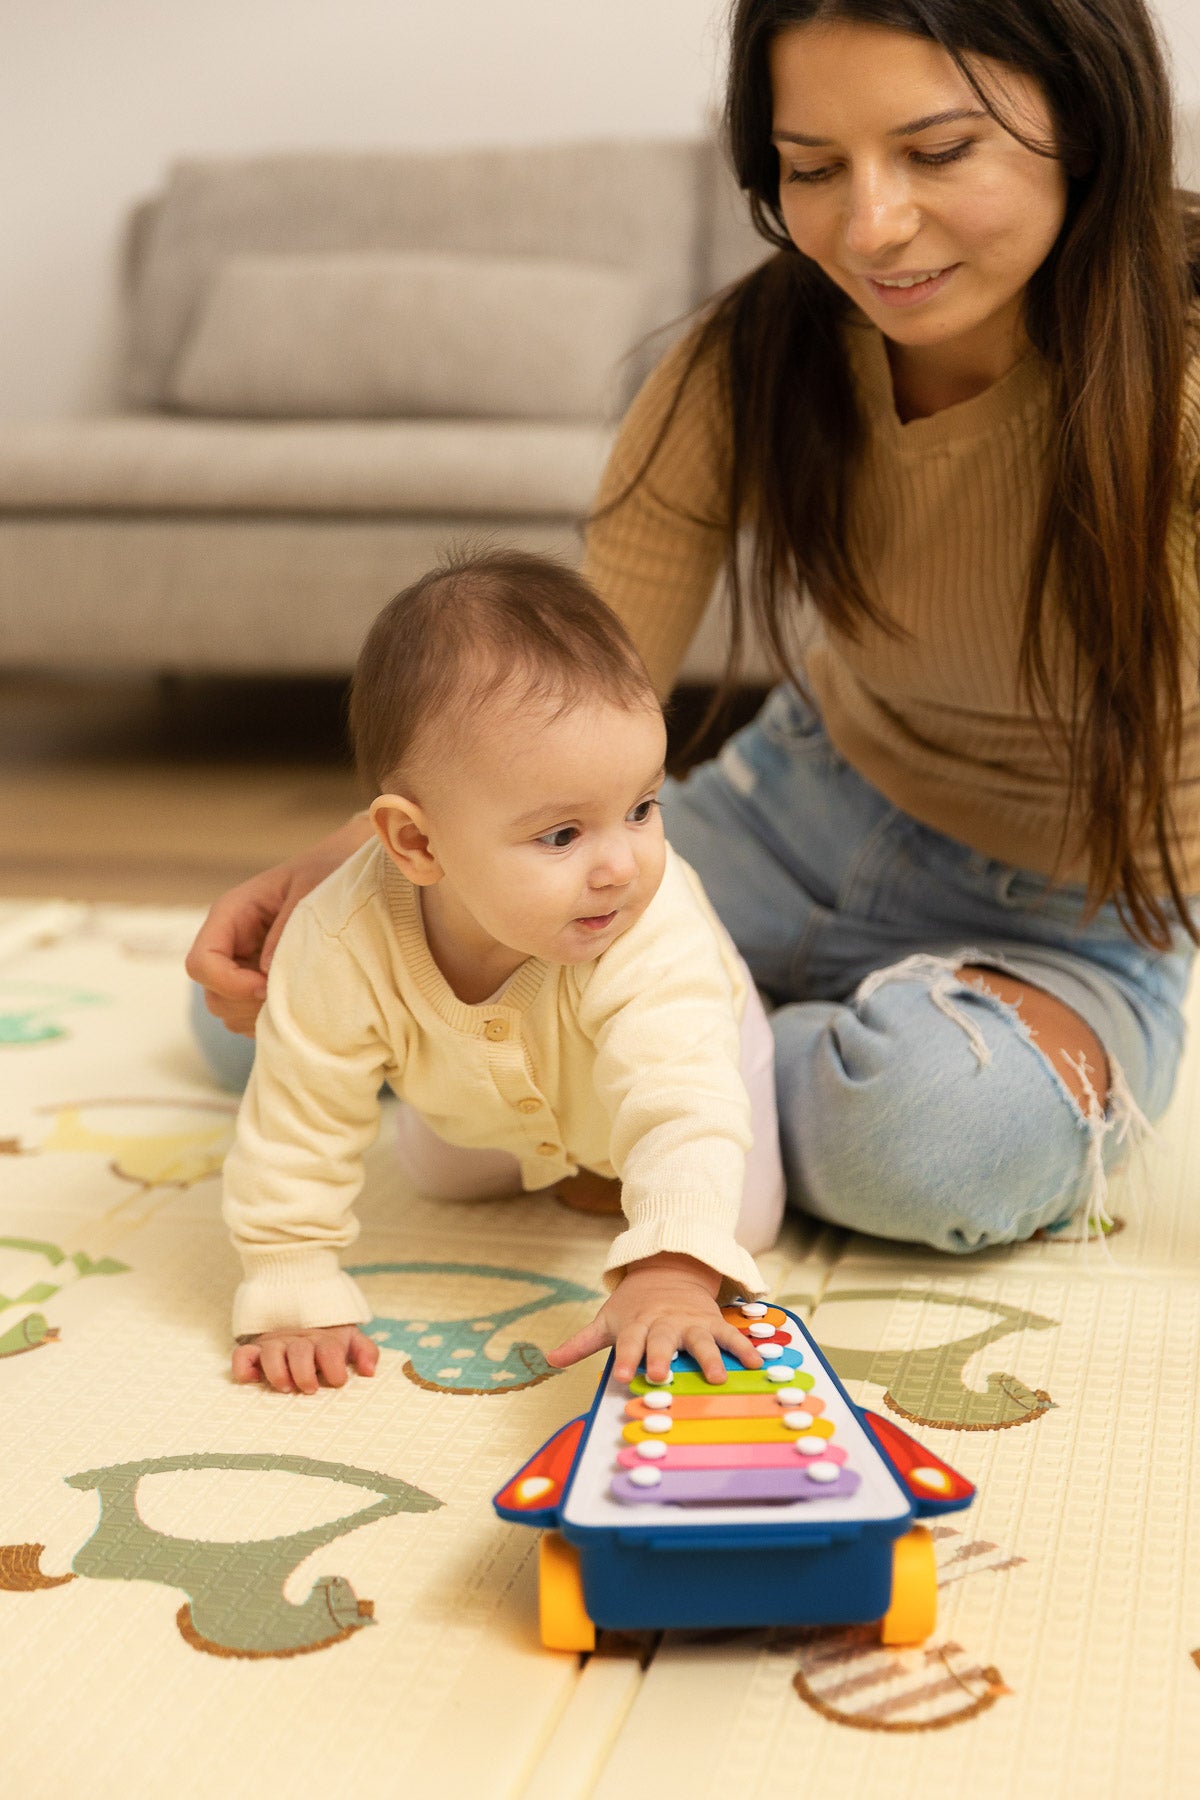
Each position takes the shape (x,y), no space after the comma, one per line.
(529,1106)
(548,1150)
(496,1030)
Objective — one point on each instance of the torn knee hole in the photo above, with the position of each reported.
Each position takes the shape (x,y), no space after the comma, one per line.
(1055,1029)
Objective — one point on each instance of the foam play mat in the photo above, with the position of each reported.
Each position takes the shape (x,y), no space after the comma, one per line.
(217,1591)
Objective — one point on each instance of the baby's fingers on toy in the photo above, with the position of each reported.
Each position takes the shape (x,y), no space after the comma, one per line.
(662,1341)
(247,1363)
(593,1337)
(741,1346)
(628,1353)
(701,1343)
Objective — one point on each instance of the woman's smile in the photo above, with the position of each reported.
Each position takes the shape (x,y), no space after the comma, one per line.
(909,290)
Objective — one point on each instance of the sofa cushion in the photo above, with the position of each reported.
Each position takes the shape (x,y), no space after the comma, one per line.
(625,205)
(395,335)
(145,464)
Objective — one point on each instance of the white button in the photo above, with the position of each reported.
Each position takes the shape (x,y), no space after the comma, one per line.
(760,1331)
(652,1451)
(496,1030)
(790,1396)
(658,1423)
(666,1381)
(753,1309)
(657,1402)
(769,1352)
(645,1477)
(817,1471)
(797,1421)
(529,1106)
(813,1446)
(780,1373)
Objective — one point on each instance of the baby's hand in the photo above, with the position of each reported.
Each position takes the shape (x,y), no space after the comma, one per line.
(297,1361)
(663,1304)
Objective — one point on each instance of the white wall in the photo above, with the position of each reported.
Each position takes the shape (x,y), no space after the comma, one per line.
(98,96)
(1180,23)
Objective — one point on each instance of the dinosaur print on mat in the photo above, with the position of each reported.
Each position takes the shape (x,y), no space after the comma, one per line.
(30,1011)
(236,1604)
(156,1164)
(850,1678)
(32,1331)
(927,1385)
(460,1340)
(150,1159)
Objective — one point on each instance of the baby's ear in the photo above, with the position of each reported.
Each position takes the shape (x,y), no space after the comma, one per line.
(401,829)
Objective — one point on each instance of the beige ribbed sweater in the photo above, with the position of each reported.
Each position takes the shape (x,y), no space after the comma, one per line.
(942,530)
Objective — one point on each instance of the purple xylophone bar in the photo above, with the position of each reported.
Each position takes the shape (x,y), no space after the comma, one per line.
(732,1487)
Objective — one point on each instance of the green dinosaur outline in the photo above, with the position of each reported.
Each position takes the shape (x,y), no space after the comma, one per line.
(927,1386)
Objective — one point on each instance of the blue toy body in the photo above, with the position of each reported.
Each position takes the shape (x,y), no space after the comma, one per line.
(767,1500)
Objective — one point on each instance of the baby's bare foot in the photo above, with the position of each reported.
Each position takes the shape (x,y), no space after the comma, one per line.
(589,1193)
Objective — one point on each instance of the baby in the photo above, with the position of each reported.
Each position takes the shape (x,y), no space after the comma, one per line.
(520,956)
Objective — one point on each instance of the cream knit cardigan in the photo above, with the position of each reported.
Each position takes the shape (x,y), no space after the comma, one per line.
(627,1065)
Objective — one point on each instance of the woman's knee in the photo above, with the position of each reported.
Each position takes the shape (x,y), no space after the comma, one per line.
(943,1127)
(228,1056)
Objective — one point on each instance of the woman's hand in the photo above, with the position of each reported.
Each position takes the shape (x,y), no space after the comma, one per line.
(235,944)
(663,1304)
(298,1361)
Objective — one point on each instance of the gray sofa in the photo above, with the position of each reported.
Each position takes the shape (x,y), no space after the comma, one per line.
(334,365)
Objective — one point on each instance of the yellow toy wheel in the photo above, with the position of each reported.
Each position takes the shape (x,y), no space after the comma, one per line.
(912,1615)
(563,1616)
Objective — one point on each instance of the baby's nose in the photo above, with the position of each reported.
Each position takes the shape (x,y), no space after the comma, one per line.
(616,870)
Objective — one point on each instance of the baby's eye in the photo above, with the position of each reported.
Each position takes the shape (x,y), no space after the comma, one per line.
(561,838)
(641,812)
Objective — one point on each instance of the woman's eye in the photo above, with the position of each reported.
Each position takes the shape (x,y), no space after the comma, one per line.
(561,838)
(809,175)
(933,159)
(926,159)
(641,812)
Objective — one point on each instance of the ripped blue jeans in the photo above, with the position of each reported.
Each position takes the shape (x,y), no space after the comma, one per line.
(911,1105)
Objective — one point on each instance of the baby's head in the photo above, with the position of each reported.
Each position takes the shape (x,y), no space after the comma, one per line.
(516,745)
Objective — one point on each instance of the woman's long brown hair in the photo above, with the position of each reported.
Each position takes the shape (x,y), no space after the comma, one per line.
(1108,311)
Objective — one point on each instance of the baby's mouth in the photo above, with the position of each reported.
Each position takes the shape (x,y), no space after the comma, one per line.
(597,921)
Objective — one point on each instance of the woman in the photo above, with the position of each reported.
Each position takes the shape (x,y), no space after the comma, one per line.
(959,408)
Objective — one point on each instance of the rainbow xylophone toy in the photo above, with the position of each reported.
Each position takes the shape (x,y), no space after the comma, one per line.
(769,1499)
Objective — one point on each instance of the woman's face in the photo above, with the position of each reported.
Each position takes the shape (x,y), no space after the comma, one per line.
(904,189)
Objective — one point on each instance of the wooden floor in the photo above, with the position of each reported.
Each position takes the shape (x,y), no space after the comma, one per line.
(168,793)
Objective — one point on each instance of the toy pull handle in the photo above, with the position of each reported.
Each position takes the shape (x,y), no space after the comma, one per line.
(932,1484)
